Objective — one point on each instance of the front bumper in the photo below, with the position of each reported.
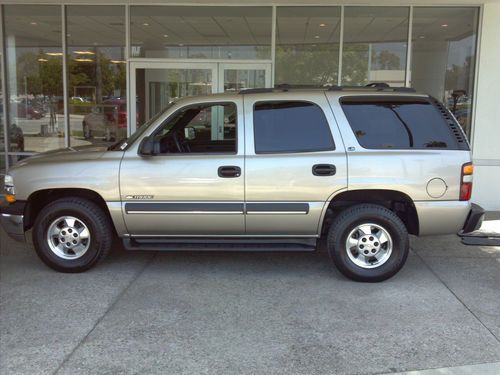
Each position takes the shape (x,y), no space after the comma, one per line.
(12,220)
(474,219)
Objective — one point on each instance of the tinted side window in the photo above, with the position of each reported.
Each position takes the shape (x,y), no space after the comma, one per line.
(203,128)
(398,124)
(290,127)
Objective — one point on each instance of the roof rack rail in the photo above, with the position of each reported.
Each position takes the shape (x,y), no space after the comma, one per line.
(256,90)
(374,86)
(281,87)
(377,86)
(287,86)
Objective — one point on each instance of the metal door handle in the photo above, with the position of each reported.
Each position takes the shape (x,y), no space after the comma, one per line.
(324,169)
(228,171)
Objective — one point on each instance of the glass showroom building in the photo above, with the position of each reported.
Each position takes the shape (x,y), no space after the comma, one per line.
(70,68)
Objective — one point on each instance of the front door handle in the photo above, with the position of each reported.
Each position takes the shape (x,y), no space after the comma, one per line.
(228,171)
(324,169)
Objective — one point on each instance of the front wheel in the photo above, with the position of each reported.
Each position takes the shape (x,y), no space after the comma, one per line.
(368,242)
(72,235)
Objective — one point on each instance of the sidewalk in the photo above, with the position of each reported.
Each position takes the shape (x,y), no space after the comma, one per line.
(249,313)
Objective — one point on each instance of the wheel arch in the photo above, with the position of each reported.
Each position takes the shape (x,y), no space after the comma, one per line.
(40,198)
(398,202)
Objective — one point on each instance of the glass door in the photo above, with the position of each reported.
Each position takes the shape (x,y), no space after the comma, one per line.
(156,84)
(239,76)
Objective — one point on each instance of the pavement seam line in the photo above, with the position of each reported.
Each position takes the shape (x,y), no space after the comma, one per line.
(456,296)
(437,368)
(99,320)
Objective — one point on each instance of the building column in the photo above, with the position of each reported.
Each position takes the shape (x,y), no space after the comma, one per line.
(486,139)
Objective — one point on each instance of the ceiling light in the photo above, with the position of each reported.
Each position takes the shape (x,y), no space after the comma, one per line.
(316,37)
(145,24)
(118,61)
(322,24)
(181,45)
(444,25)
(84,60)
(84,52)
(33,23)
(165,35)
(43,60)
(54,53)
(421,37)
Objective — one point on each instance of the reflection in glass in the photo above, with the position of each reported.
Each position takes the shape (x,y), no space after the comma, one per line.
(307,45)
(156,88)
(443,55)
(2,135)
(205,128)
(97,74)
(220,32)
(34,77)
(375,41)
(240,79)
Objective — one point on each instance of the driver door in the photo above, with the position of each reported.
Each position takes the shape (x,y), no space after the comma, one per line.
(194,183)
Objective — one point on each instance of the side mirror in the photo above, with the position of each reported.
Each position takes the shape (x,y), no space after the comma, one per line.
(147,146)
(189,133)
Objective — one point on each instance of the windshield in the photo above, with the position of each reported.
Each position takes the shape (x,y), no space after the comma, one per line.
(125,143)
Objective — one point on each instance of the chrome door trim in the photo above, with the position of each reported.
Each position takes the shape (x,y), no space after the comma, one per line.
(277,208)
(276,213)
(251,208)
(185,212)
(184,207)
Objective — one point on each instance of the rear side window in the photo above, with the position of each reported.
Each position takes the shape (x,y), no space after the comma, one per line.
(293,126)
(398,124)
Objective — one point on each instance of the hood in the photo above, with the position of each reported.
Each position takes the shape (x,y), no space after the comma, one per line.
(78,153)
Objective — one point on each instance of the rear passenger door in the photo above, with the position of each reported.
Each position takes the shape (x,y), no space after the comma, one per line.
(294,162)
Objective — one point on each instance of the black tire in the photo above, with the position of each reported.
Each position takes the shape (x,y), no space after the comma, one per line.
(91,215)
(347,221)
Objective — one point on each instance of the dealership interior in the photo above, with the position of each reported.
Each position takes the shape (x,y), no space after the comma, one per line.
(69,71)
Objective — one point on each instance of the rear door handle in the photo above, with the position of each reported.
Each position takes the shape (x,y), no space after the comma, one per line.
(324,169)
(229,171)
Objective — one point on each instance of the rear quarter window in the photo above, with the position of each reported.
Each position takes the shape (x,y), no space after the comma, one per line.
(411,123)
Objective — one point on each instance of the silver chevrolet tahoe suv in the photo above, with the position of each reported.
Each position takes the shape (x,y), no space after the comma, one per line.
(282,169)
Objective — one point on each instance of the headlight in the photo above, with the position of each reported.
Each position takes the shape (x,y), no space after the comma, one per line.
(10,193)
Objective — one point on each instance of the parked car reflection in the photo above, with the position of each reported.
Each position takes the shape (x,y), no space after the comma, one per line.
(107,120)
(29,112)
(16,139)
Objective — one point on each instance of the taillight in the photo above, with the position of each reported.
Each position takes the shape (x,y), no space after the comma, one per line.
(466,182)
(122,119)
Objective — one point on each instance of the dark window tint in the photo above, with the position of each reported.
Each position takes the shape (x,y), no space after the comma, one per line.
(290,127)
(398,124)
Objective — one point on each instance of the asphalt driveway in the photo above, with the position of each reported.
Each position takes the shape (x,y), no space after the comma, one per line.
(248,313)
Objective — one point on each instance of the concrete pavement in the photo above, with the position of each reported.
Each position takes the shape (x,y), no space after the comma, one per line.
(248,313)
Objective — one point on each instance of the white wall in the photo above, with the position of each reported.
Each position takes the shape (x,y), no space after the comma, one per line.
(429,63)
(486,137)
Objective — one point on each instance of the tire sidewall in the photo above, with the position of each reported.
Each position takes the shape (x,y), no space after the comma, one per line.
(46,218)
(338,251)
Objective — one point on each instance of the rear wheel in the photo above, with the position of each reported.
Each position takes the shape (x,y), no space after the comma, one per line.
(72,235)
(368,242)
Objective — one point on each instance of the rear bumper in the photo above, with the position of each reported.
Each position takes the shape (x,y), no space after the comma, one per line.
(12,220)
(441,217)
(474,219)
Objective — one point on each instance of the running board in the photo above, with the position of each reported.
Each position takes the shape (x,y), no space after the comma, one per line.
(220,244)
